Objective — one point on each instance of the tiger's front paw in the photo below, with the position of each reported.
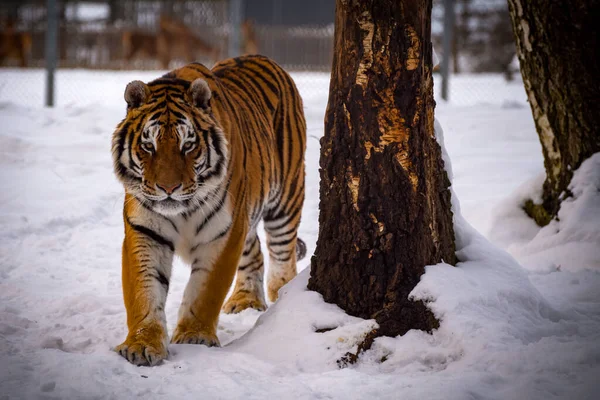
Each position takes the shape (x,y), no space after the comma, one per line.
(145,345)
(240,301)
(191,336)
(142,353)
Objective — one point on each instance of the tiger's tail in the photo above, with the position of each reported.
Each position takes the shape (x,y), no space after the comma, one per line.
(300,249)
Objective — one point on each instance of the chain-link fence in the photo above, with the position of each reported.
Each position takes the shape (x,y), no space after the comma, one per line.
(121,35)
(482,39)
(481,52)
(139,33)
(153,35)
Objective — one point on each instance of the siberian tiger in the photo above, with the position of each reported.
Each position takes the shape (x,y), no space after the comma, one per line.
(203,156)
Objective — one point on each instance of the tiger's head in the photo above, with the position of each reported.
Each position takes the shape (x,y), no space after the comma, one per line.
(169,151)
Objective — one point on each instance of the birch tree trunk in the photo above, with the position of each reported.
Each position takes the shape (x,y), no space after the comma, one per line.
(385,209)
(557,45)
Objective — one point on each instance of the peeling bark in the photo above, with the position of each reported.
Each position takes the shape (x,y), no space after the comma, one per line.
(557,44)
(385,204)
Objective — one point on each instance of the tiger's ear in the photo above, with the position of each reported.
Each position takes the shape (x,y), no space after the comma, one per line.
(136,93)
(199,93)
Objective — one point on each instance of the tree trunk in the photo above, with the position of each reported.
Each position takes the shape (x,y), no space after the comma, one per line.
(455,60)
(115,11)
(461,34)
(557,45)
(384,199)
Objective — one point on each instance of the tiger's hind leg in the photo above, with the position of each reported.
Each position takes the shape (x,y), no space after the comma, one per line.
(248,291)
(282,237)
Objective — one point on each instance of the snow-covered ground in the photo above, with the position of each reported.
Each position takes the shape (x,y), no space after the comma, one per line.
(507,331)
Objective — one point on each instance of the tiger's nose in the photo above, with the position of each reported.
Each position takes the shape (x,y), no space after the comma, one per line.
(169,189)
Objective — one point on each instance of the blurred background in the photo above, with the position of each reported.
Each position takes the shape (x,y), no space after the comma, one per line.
(472,37)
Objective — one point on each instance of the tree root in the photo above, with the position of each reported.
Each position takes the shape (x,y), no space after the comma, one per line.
(351,358)
(537,212)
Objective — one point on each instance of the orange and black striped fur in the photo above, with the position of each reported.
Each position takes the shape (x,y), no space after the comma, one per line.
(204,155)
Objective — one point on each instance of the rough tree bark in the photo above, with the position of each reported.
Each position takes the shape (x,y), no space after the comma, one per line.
(557,45)
(384,199)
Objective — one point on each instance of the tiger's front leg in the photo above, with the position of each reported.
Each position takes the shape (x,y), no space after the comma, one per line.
(213,270)
(147,262)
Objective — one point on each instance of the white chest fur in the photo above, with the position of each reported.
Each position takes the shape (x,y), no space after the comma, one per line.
(203,232)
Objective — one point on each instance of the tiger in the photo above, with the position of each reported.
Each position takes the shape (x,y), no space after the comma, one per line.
(15,44)
(204,155)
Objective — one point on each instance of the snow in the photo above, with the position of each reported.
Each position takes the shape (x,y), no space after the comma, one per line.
(520,315)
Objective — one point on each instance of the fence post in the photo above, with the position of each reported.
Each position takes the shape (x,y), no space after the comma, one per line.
(236,12)
(51,49)
(447,45)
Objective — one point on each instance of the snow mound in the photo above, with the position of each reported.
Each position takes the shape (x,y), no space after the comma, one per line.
(303,332)
(572,241)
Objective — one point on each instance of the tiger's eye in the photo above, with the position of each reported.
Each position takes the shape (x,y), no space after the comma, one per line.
(148,147)
(188,146)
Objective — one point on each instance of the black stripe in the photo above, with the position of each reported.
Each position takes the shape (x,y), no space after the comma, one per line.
(124,173)
(217,168)
(256,88)
(282,260)
(216,139)
(219,235)
(280,252)
(291,230)
(162,279)
(283,242)
(156,116)
(199,67)
(258,267)
(277,212)
(177,114)
(147,207)
(170,82)
(207,144)
(256,263)
(200,202)
(214,210)
(286,221)
(256,75)
(151,234)
(178,96)
(269,72)
(122,135)
(223,233)
(249,249)
(130,146)
(295,201)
